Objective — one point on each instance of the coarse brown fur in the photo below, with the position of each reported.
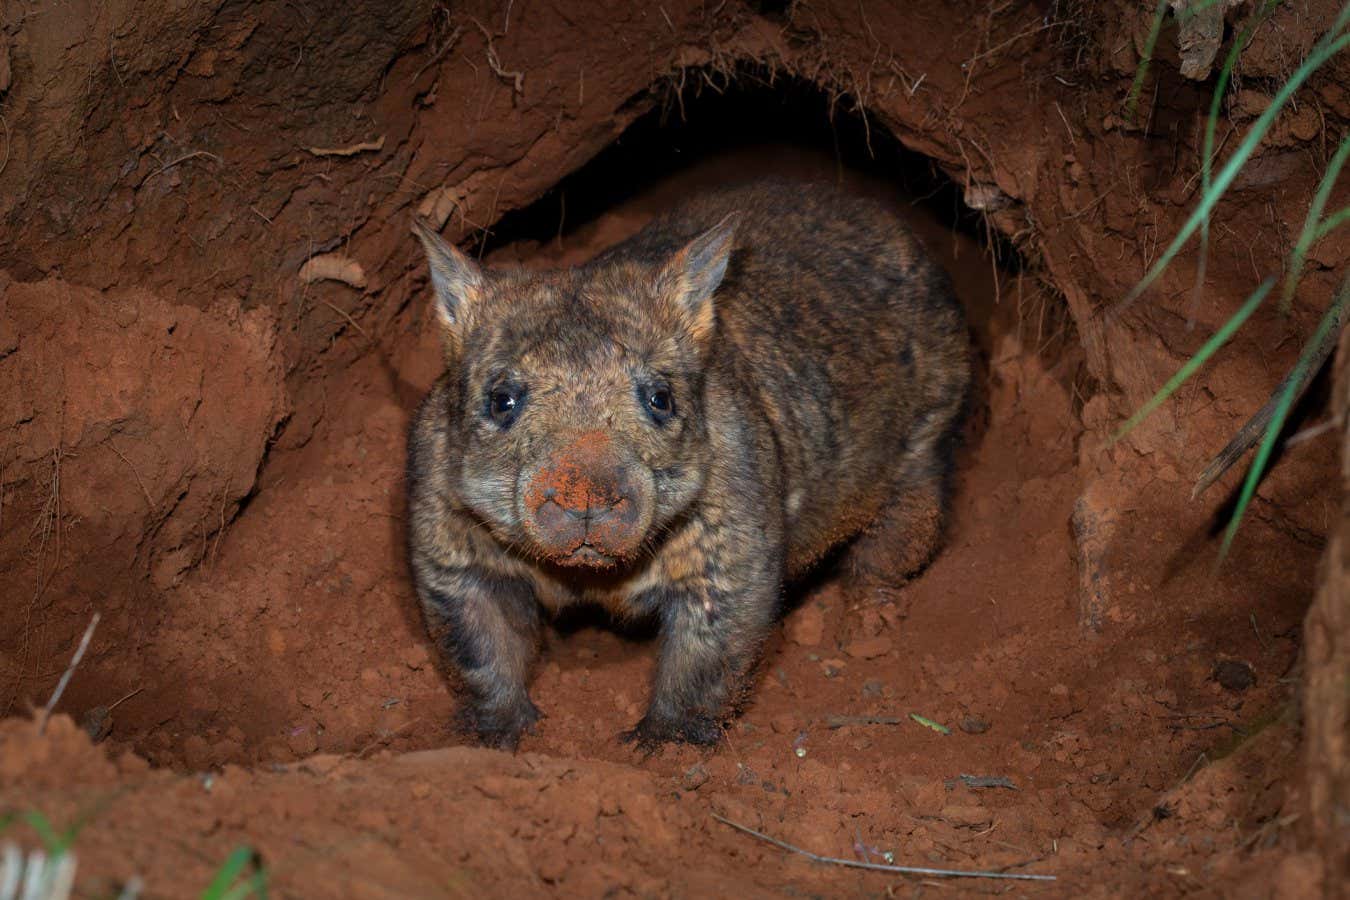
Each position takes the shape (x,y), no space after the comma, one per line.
(676,428)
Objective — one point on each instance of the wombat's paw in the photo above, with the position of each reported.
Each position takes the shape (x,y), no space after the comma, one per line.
(500,726)
(866,589)
(654,732)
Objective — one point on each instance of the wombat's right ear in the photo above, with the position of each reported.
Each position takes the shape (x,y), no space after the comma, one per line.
(697,270)
(456,278)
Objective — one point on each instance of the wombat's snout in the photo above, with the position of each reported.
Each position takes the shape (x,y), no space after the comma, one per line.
(583,507)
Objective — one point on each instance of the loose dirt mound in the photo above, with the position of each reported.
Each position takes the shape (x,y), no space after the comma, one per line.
(135,428)
(207,449)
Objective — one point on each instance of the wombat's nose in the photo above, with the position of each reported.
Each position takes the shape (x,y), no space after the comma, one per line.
(581,507)
(597,508)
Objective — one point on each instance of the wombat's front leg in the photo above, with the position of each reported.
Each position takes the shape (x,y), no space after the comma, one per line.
(488,624)
(710,639)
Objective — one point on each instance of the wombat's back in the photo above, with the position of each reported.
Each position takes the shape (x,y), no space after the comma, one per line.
(836,326)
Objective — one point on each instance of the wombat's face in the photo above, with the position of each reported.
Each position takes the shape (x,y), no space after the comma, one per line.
(578,407)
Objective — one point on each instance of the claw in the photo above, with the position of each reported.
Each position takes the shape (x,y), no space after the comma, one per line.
(652,733)
(500,728)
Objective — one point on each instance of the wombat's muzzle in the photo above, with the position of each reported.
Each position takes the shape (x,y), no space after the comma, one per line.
(583,507)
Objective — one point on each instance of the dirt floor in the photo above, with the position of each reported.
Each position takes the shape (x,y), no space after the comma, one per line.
(218,472)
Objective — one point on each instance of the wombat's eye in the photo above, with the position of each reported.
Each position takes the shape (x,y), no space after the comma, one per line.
(503,404)
(659,402)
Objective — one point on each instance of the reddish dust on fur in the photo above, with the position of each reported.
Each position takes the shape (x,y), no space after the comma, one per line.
(585,475)
(571,480)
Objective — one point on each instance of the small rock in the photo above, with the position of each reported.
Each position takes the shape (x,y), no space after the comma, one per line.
(302,741)
(869,648)
(832,667)
(695,777)
(97,723)
(973,725)
(806,626)
(967,816)
(421,790)
(1234,674)
(309,697)
(747,776)
(415,656)
(873,688)
(872,622)
(783,723)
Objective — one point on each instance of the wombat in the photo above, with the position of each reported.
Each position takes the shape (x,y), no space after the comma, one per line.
(674,429)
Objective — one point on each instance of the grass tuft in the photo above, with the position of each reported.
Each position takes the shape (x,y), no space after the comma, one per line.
(1328,45)
(1201,356)
(1312,225)
(1333,319)
(227,883)
(1211,129)
(1315,227)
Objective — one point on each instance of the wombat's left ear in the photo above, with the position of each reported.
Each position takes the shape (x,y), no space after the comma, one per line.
(456,278)
(697,270)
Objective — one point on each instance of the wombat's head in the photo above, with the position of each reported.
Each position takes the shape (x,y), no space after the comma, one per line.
(577,395)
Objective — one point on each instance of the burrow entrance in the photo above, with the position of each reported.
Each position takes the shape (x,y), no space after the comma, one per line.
(333,618)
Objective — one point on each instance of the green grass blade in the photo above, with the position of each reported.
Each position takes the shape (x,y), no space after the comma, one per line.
(1141,72)
(1211,129)
(1267,444)
(1323,51)
(1211,346)
(51,841)
(228,873)
(1331,223)
(1312,223)
(255,886)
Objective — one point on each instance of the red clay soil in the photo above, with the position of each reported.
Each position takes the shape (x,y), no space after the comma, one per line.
(209,452)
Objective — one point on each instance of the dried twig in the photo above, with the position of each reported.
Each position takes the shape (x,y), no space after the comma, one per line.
(987,781)
(445,48)
(137,475)
(346,315)
(184,158)
(70,670)
(516,78)
(333,267)
(124,698)
(363,147)
(880,867)
(845,721)
(386,738)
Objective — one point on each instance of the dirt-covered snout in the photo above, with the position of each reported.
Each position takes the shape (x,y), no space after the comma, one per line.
(588,503)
